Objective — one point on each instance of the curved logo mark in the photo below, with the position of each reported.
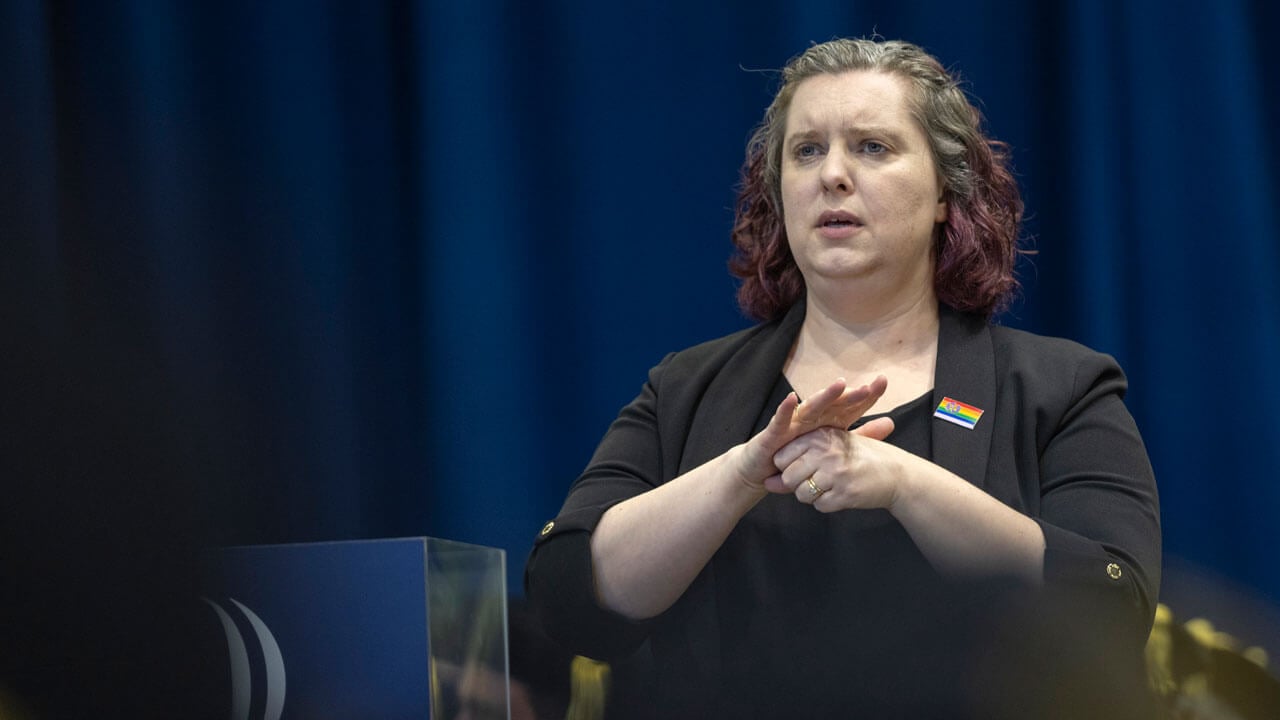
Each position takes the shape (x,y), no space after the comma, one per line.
(241,677)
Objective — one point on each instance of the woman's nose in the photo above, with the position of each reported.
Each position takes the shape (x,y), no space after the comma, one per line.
(836,173)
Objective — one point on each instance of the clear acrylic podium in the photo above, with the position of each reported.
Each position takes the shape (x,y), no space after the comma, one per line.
(398,628)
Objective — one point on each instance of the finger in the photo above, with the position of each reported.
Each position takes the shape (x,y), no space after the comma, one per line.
(757,456)
(853,403)
(788,454)
(780,424)
(851,407)
(786,410)
(868,396)
(825,502)
(851,398)
(810,491)
(774,484)
(878,429)
(878,386)
(830,392)
(794,475)
(810,413)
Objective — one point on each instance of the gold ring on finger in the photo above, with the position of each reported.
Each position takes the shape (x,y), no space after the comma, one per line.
(814,490)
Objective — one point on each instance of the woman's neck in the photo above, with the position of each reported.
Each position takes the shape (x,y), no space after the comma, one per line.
(872,333)
(900,343)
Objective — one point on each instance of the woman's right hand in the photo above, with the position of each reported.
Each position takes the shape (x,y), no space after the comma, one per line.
(834,406)
(646,550)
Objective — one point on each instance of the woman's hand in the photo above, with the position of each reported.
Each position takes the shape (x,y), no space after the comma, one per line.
(960,529)
(647,549)
(834,469)
(834,408)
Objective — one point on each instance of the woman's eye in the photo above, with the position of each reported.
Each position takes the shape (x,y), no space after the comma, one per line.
(874,148)
(807,150)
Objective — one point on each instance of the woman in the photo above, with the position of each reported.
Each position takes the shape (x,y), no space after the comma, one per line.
(875,501)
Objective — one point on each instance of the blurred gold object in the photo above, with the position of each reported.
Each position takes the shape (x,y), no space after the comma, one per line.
(1201,673)
(10,708)
(588,688)
(1255,655)
(1159,653)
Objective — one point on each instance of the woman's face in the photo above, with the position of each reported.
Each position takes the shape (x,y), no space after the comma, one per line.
(861,197)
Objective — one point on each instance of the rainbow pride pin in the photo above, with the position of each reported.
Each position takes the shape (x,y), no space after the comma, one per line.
(954,411)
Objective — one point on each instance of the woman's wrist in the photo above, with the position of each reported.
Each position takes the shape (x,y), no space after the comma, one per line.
(745,470)
(905,488)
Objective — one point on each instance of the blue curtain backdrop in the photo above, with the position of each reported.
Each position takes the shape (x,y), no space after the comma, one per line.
(390,268)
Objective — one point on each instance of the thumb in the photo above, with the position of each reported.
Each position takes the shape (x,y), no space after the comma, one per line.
(877,429)
(775,485)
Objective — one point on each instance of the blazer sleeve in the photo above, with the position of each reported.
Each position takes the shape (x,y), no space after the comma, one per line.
(1099,508)
(559,581)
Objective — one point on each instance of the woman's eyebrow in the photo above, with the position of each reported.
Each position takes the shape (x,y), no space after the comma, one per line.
(883,131)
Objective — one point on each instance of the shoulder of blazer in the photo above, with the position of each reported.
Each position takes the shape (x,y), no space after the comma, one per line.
(1010,341)
(1051,360)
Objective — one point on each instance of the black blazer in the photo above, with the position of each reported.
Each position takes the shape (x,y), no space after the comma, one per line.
(1055,442)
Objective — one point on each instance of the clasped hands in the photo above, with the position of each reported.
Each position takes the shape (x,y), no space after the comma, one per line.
(807,450)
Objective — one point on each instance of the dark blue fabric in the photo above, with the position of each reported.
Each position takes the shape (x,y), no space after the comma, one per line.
(392,267)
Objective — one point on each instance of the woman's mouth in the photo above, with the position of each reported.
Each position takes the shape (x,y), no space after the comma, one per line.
(837,219)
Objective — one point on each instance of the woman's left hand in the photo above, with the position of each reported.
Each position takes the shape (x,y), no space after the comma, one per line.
(834,469)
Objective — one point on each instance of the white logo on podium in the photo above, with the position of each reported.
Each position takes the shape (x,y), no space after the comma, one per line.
(241,678)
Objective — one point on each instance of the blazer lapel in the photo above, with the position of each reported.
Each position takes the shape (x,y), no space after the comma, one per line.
(965,372)
(736,396)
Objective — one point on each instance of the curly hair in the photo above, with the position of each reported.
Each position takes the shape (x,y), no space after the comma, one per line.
(976,250)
